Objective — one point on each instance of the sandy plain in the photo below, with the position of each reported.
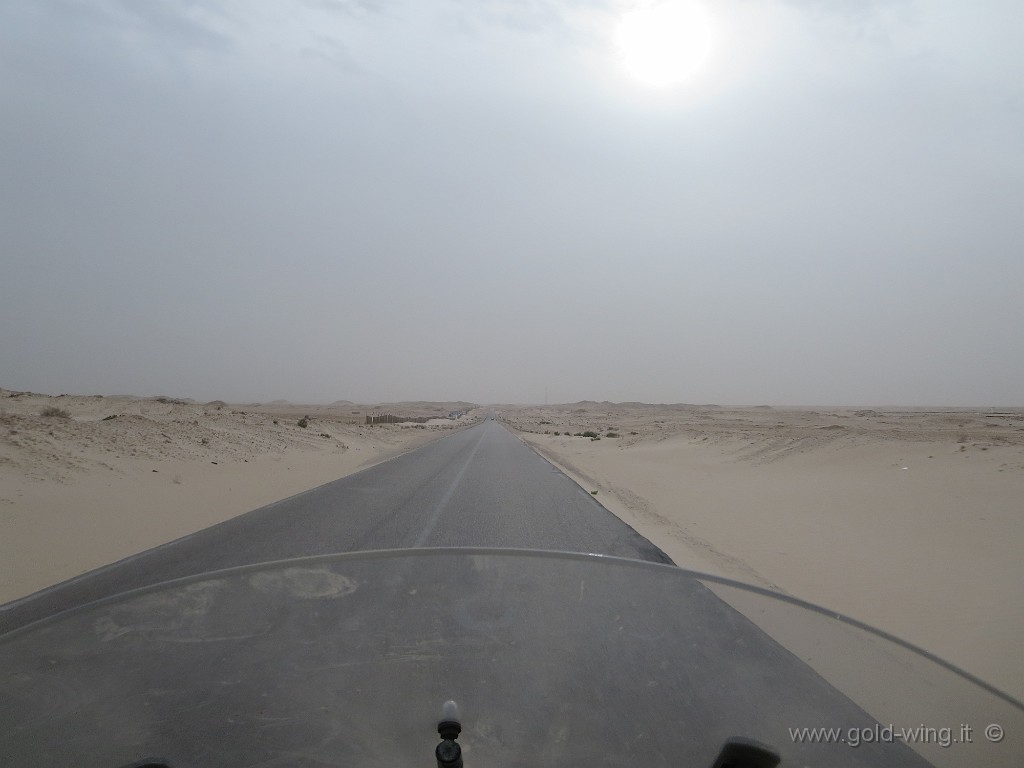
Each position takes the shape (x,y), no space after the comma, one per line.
(911,520)
(103,478)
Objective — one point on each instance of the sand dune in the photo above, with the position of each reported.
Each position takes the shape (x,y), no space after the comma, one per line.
(909,519)
(85,481)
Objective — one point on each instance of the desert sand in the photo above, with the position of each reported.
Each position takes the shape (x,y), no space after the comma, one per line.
(911,520)
(102,478)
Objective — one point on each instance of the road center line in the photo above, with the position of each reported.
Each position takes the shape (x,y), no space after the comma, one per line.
(421,540)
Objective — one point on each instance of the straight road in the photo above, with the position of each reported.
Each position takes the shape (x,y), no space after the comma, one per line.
(480,487)
(330,662)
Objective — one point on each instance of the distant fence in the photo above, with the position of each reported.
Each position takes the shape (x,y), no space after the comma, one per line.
(390,418)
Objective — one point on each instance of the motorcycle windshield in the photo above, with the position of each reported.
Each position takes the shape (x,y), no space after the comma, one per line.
(553,659)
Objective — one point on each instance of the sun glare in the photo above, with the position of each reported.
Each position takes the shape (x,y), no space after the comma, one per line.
(665,43)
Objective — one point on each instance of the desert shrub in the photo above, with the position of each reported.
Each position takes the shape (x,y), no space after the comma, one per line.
(612,434)
(557,434)
(304,422)
(324,434)
(590,433)
(54,413)
(111,416)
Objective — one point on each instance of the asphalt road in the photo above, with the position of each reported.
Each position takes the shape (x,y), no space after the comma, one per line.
(341,661)
(480,487)
(346,660)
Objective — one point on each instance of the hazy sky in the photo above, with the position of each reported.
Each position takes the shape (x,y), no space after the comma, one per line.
(467,199)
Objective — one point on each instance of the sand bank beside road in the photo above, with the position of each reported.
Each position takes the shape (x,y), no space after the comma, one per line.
(907,519)
(102,478)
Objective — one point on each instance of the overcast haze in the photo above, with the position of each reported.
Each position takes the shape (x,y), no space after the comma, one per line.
(377,200)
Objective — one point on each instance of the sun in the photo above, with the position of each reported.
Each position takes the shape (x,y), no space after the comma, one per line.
(664,43)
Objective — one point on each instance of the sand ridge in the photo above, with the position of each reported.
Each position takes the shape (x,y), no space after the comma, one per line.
(88,480)
(909,519)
